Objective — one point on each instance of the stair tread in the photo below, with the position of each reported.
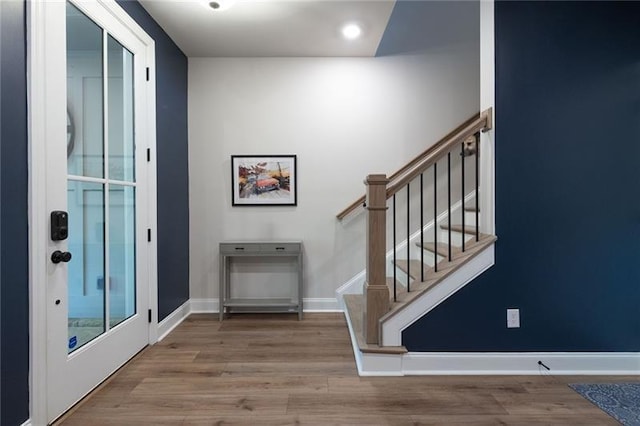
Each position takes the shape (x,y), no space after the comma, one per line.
(471,207)
(432,277)
(468,229)
(413,267)
(442,249)
(354,304)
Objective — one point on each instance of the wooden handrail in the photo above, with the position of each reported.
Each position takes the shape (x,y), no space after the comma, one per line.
(357,203)
(480,121)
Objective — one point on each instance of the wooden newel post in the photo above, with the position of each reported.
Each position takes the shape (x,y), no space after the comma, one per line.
(376,292)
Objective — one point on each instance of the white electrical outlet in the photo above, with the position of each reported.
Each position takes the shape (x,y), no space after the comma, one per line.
(513,318)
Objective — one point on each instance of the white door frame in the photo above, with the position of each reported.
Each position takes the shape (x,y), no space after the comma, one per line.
(39,68)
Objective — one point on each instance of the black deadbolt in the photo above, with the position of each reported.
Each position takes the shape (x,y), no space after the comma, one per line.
(59,225)
(60,256)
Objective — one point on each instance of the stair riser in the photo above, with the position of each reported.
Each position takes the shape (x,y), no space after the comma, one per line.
(401,276)
(456,237)
(430,258)
(456,217)
(414,253)
(443,237)
(470,218)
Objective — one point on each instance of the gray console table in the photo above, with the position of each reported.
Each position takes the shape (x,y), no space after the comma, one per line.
(262,251)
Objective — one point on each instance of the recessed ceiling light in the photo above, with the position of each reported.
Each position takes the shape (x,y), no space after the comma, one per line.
(219,5)
(351,31)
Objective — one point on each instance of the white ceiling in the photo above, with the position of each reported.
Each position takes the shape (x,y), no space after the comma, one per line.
(274,28)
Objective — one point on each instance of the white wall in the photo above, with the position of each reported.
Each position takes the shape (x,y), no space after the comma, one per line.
(343,117)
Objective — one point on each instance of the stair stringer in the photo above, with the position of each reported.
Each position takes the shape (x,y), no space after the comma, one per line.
(394,323)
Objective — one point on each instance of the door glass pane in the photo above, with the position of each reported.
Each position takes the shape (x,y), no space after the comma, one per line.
(85,141)
(120,110)
(122,257)
(102,269)
(85,204)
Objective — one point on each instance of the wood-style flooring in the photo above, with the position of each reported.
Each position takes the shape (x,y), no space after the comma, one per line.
(257,369)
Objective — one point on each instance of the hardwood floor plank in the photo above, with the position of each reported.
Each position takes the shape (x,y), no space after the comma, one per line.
(265,403)
(274,354)
(158,354)
(244,369)
(226,385)
(551,402)
(309,420)
(174,369)
(129,419)
(491,420)
(417,383)
(428,402)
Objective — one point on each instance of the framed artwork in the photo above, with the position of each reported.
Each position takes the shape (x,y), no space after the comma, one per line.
(267,180)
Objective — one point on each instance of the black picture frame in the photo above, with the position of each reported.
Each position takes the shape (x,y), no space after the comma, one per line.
(264,180)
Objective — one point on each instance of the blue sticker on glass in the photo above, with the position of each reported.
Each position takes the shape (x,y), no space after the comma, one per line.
(73,342)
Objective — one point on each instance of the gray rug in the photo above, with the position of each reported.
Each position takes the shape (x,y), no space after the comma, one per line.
(620,400)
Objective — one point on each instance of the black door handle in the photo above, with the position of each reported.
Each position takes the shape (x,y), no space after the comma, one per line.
(60,256)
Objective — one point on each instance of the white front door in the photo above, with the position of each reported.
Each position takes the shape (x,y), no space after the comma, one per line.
(97,199)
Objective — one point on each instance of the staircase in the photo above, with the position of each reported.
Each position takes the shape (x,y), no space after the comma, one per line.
(437,244)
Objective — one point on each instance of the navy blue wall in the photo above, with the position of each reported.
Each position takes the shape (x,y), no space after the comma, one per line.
(14,377)
(567,182)
(173,205)
(418,26)
(173,164)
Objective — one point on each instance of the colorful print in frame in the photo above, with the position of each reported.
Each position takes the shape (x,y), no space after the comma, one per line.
(264,180)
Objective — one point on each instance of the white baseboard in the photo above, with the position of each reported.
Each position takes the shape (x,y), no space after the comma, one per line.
(503,363)
(311,304)
(173,320)
(205,306)
(318,304)
(522,363)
